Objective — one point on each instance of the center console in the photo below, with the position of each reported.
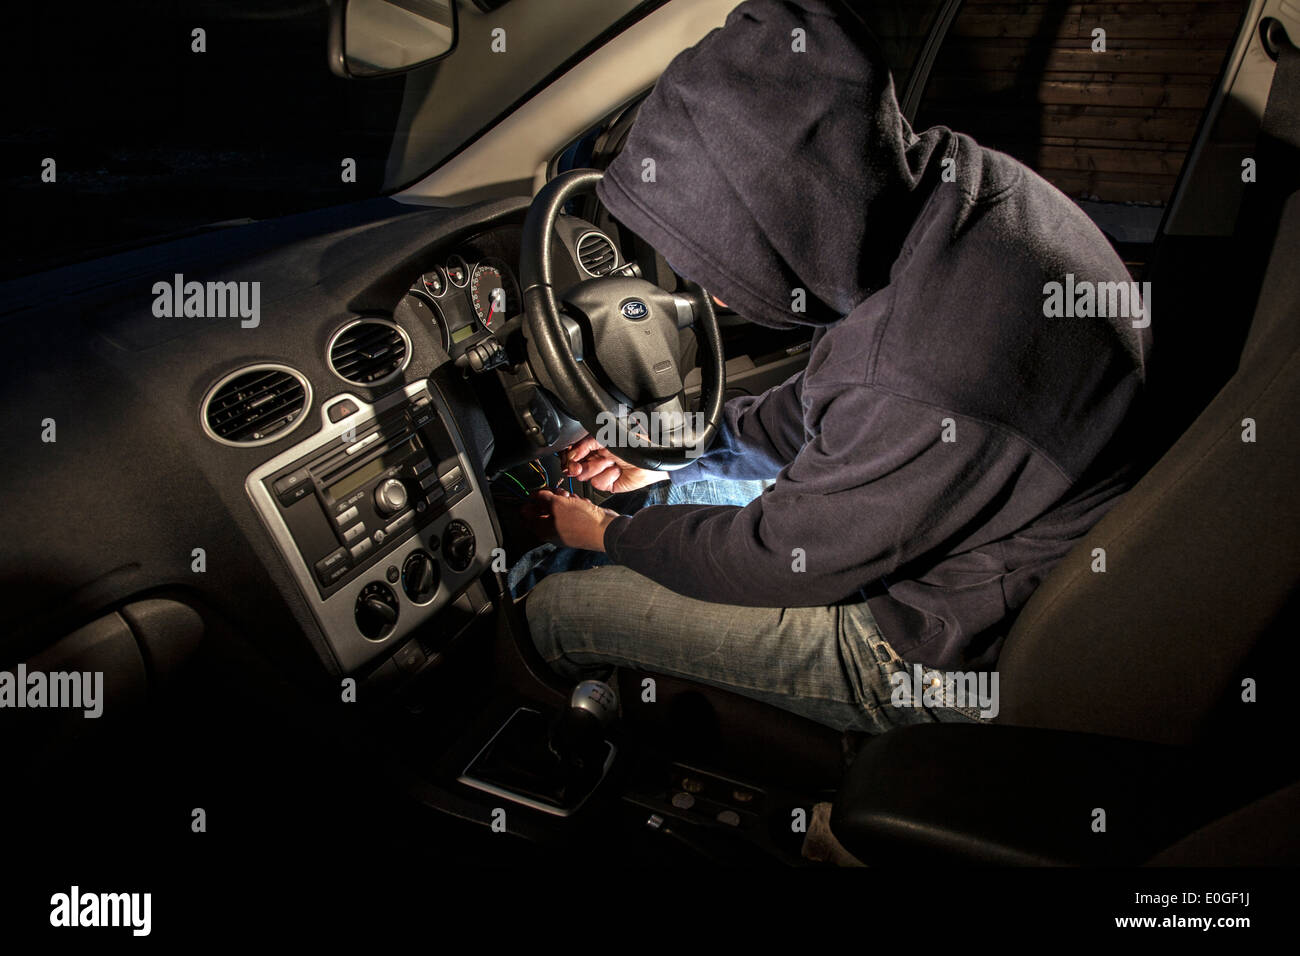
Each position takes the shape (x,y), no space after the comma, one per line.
(379,518)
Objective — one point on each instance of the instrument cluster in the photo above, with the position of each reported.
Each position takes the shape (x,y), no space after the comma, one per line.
(469,300)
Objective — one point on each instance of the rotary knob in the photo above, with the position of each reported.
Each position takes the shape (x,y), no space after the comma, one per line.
(458,545)
(420,577)
(390,497)
(376,611)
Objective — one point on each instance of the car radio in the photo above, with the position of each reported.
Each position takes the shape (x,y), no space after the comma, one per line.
(379,518)
(398,471)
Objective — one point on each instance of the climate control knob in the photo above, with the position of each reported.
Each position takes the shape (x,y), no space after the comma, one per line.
(458,545)
(420,576)
(390,497)
(376,611)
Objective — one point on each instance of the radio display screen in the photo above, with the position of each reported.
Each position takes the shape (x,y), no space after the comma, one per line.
(372,469)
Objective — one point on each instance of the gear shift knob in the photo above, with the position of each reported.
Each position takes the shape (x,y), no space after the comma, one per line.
(578,737)
(598,699)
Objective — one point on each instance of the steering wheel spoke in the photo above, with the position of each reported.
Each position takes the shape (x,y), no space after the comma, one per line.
(610,349)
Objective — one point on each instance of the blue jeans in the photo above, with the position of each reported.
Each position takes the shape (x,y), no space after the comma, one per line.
(830,664)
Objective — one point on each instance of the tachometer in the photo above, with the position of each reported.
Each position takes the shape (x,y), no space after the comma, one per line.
(493,292)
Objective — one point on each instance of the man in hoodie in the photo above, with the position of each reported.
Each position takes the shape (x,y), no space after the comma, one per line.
(949,440)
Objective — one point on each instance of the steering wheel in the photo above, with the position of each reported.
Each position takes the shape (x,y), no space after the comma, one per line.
(608,350)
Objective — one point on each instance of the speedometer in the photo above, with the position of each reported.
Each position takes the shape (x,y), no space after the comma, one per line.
(493,292)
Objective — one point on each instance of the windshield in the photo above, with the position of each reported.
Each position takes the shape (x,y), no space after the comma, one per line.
(128,123)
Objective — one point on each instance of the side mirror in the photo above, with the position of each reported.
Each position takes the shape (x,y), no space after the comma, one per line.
(383,37)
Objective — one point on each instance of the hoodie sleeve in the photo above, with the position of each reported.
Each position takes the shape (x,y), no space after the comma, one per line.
(760,435)
(877,487)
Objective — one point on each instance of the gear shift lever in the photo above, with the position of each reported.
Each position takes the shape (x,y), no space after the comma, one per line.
(550,763)
(578,735)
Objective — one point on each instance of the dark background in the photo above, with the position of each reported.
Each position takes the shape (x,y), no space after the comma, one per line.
(151,139)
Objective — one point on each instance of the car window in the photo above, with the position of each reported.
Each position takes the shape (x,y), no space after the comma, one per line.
(900,27)
(1107,118)
(153,118)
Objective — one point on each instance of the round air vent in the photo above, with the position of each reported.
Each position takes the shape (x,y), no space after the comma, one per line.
(369,352)
(255,405)
(597,254)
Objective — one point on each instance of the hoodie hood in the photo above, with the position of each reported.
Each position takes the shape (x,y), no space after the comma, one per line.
(771,157)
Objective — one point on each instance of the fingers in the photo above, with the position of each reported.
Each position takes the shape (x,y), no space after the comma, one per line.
(606,479)
(577,452)
(593,467)
(586,454)
(538,504)
(538,514)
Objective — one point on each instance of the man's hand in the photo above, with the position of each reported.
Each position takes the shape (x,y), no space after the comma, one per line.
(588,460)
(567,519)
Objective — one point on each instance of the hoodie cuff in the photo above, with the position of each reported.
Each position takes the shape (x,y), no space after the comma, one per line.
(613,531)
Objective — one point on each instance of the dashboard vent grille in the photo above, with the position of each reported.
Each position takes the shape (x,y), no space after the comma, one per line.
(256,405)
(369,352)
(596,253)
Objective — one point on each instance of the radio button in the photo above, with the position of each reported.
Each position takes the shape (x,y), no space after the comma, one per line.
(292,487)
(422,466)
(359,549)
(421,412)
(332,567)
(350,534)
(347,516)
(291,481)
(394,526)
(453,482)
(296,493)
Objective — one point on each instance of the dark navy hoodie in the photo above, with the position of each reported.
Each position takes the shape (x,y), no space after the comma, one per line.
(948,441)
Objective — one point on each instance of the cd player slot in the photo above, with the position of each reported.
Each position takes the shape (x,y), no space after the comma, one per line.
(339,463)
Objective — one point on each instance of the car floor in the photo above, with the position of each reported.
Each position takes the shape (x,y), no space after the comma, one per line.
(281,777)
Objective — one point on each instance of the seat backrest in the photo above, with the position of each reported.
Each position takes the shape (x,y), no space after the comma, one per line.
(1201,556)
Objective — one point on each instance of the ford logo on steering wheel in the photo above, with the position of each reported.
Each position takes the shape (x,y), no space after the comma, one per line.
(635,309)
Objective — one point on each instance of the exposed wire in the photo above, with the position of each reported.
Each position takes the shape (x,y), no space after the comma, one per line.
(562,479)
(517,482)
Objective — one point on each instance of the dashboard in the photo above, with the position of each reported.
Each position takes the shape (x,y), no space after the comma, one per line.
(137,490)
(310,473)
